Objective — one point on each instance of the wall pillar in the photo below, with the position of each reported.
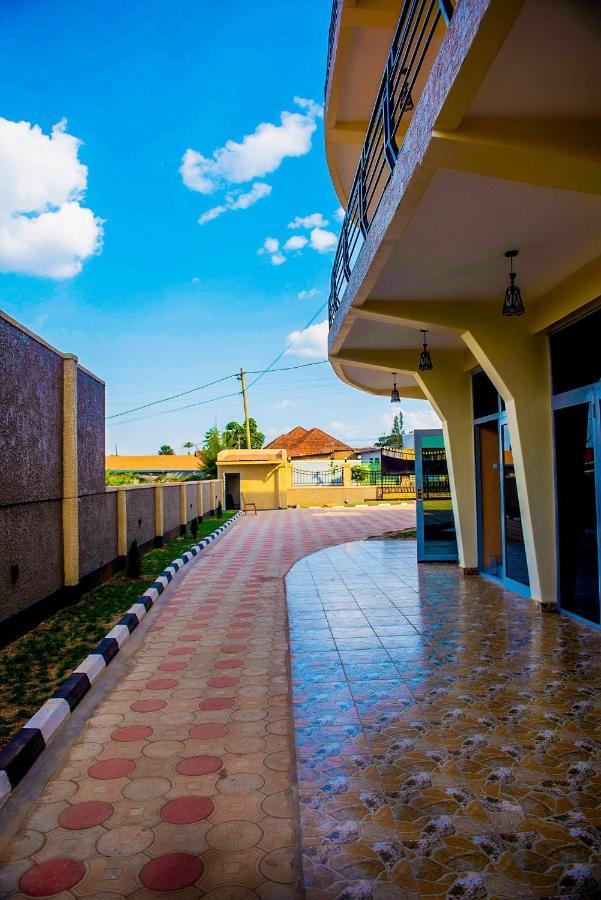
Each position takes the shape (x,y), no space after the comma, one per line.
(158,515)
(346,474)
(70,504)
(448,389)
(517,363)
(183,508)
(122,522)
(200,500)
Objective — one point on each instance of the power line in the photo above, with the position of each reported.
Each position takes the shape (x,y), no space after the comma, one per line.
(201,387)
(288,346)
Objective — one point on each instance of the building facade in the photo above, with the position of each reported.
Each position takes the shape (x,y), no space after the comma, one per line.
(456,135)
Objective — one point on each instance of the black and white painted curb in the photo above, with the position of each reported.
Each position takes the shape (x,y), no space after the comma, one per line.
(22,751)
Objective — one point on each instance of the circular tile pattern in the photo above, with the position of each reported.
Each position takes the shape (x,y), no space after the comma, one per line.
(161,684)
(51,877)
(85,815)
(190,637)
(222,681)
(215,703)
(147,705)
(181,651)
(171,872)
(25,843)
(146,788)
(199,765)
(128,840)
(234,836)
(184,810)
(229,663)
(279,866)
(209,731)
(163,749)
(111,768)
(132,733)
(240,783)
(173,666)
(234,648)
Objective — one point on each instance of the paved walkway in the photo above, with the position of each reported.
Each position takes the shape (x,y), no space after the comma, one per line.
(181,779)
(448,736)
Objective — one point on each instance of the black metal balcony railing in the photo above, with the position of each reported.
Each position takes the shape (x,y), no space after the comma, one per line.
(412,38)
(331,37)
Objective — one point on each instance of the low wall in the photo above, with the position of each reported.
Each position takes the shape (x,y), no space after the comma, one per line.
(32,577)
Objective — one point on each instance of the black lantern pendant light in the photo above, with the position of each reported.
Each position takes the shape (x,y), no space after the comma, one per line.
(395,397)
(513,305)
(425,360)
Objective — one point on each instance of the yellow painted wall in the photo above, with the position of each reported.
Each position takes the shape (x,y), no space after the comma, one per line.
(258,482)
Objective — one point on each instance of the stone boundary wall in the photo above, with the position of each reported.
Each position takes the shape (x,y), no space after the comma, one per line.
(61,530)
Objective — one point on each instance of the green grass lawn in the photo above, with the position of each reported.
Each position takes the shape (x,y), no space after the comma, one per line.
(34,665)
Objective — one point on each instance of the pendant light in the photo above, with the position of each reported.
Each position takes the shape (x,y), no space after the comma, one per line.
(513,305)
(425,360)
(395,397)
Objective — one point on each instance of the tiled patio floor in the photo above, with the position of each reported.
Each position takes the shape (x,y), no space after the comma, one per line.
(448,736)
(181,778)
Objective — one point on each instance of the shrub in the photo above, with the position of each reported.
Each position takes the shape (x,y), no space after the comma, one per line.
(219,510)
(133,565)
(194,527)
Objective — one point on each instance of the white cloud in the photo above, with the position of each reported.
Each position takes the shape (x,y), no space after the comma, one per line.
(277,259)
(237,200)
(256,155)
(296,242)
(283,404)
(315,220)
(413,419)
(343,430)
(270,245)
(307,295)
(323,241)
(311,342)
(44,230)
(339,214)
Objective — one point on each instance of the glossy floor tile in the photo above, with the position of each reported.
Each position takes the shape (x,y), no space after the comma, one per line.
(448,735)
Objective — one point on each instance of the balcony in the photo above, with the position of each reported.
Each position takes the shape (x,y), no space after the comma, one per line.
(415,44)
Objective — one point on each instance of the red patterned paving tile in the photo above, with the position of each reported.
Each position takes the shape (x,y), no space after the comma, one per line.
(182,651)
(184,810)
(229,663)
(52,877)
(199,765)
(171,872)
(234,648)
(147,705)
(85,815)
(190,637)
(112,768)
(172,666)
(209,731)
(215,703)
(132,733)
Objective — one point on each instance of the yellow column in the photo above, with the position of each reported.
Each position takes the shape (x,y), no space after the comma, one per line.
(346,474)
(517,363)
(158,514)
(70,503)
(449,391)
(200,501)
(122,522)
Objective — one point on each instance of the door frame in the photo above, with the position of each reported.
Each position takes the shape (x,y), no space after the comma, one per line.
(419,503)
(590,394)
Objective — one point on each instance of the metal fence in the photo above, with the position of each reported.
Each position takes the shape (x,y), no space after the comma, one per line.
(331,477)
(412,38)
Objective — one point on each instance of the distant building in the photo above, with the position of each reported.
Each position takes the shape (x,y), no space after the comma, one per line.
(310,444)
(154,465)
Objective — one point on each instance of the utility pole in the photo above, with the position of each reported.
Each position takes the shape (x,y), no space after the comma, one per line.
(246,422)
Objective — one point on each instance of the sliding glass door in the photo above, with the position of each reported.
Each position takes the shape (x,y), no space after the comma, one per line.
(436,539)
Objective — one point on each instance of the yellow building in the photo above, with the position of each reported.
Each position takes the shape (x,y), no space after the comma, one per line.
(457,134)
(159,464)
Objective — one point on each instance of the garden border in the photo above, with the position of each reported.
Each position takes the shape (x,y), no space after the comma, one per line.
(19,755)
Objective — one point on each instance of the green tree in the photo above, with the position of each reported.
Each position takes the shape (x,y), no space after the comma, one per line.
(395,438)
(235,435)
(166,450)
(188,446)
(213,443)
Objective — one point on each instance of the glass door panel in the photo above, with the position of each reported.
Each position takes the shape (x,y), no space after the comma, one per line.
(516,566)
(436,539)
(577,510)
(489,485)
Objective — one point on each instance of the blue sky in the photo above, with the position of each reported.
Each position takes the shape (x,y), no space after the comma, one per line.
(162,303)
